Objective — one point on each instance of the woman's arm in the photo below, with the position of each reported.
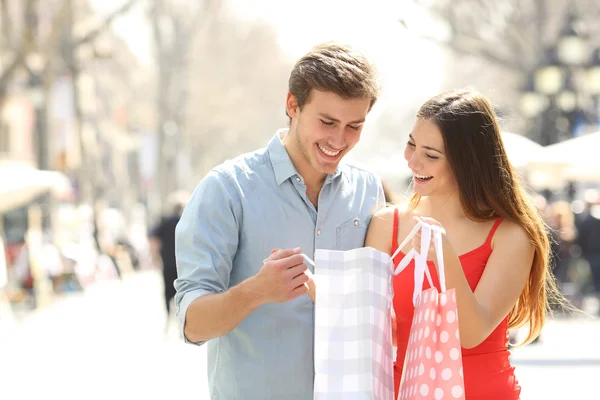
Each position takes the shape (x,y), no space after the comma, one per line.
(379,236)
(499,288)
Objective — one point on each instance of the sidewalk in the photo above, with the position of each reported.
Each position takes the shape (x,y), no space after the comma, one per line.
(106,343)
(109,343)
(564,365)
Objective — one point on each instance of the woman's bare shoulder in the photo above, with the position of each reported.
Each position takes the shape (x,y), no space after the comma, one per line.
(381,228)
(386,214)
(511,234)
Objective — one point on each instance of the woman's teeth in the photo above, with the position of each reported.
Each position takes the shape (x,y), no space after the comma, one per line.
(329,152)
(423,177)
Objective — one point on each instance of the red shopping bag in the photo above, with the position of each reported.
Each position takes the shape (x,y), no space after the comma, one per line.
(433,362)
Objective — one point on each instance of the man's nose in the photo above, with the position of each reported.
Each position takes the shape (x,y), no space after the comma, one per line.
(337,139)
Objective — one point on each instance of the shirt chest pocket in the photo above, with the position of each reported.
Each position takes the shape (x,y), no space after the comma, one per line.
(351,234)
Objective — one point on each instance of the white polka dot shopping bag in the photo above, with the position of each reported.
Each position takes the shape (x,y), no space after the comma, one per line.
(353,350)
(433,362)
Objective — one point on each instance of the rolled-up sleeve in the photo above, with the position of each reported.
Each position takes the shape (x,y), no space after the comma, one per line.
(206,241)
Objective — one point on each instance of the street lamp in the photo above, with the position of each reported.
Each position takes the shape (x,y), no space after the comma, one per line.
(593,79)
(37,98)
(557,94)
(549,75)
(532,102)
(35,92)
(572,44)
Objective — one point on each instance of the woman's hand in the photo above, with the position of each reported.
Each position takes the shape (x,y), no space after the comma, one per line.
(416,240)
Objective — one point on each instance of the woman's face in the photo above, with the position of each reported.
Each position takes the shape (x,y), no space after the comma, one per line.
(426,157)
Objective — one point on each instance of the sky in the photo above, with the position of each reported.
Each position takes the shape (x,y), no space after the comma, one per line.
(408,66)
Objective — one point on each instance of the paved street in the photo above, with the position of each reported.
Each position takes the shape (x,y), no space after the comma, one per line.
(107,343)
(110,343)
(566,365)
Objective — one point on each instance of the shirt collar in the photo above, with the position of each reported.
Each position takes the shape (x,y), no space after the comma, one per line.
(282,163)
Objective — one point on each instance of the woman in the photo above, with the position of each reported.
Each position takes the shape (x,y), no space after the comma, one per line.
(495,243)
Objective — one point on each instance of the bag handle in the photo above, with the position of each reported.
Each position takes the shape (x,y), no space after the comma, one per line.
(409,256)
(439,252)
(421,268)
(308,261)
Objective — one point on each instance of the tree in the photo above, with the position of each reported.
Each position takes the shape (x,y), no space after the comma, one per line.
(74,65)
(498,41)
(238,93)
(41,39)
(22,43)
(176,25)
(510,34)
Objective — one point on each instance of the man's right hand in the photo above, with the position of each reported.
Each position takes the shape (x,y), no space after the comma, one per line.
(282,276)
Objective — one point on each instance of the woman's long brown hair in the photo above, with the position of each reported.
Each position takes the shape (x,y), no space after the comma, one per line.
(489,189)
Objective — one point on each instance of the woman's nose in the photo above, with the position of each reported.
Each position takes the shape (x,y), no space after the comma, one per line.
(413,161)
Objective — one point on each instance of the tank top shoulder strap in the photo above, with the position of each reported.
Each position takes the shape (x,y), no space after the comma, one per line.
(493,230)
(395,231)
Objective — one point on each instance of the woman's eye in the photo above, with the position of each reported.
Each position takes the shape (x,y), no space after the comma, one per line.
(432,157)
(327,123)
(411,144)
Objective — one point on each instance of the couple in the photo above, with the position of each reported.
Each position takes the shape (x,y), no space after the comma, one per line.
(242,281)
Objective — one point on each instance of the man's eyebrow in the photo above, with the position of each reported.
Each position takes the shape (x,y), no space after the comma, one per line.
(426,147)
(358,121)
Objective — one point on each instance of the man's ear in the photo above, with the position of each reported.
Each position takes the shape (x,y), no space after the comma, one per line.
(291,105)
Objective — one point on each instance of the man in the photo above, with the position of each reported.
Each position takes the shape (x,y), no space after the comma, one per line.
(294,196)
(162,245)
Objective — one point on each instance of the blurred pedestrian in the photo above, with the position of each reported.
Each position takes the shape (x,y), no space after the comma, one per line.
(589,241)
(294,196)
(562,222)
(162,245)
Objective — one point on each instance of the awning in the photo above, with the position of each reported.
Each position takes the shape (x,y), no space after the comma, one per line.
(573,160)
(20,184)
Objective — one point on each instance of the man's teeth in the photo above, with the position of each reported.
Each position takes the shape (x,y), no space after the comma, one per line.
(329,152)
(423,176)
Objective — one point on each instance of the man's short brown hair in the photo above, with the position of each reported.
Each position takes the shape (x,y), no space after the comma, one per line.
(336,68)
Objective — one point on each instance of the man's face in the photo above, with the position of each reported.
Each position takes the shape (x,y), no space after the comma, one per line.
(324,130)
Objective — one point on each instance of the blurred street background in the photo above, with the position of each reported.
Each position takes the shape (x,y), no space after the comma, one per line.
(112,111)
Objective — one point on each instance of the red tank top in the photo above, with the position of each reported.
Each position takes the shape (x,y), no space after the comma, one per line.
(488,373)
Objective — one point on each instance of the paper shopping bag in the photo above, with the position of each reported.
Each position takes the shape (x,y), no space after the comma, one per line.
(353,323)
(433,362)
(353,342)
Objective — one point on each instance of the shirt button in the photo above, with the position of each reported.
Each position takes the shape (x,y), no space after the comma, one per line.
(318,232)
(298,179)
(356,222)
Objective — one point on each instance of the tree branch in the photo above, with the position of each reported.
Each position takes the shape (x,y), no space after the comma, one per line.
(106,24)
(6,22)
(27,46)
(159,38)
(456,45)
(498,33)
(58,26)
